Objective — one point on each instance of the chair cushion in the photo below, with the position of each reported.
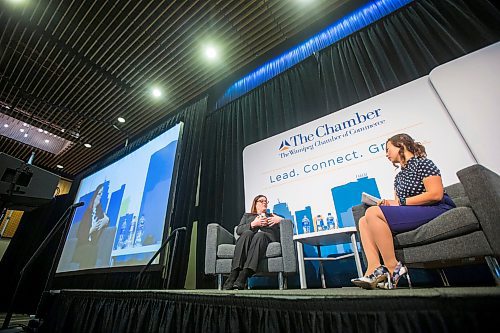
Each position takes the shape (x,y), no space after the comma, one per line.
(225,251)
(455,222)
(273,250)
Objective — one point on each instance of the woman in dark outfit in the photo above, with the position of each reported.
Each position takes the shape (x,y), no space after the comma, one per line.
(419,198)
(92,225)
(256,229)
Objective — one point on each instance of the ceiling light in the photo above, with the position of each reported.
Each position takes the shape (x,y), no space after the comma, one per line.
(25,135)
(40,130)
(46,140)
(5,125)
(88,145)
(21,130)
(44,132)
(59,166)
(121,120)
(156,92)
(210,52)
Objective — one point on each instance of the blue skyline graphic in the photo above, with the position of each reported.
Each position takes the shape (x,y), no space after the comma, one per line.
(344,197)
(348,195)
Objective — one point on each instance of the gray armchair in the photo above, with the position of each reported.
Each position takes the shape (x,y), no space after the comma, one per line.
(464,235)
(280,256)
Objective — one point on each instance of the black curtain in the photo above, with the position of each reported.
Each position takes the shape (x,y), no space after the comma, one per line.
(392,51)
(127,312)
(32,230)
(403,47)
(184,211)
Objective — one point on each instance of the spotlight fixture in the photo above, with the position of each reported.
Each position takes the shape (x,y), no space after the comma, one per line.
(121,120)
(87,145)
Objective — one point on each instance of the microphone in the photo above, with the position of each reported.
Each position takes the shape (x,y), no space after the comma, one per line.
(78,204)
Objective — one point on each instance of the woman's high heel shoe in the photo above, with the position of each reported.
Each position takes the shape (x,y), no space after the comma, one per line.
(380,275)
(399,272)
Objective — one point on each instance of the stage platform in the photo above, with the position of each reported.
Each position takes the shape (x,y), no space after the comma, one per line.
(313,310)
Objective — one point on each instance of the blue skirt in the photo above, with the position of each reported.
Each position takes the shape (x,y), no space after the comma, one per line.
(406,218)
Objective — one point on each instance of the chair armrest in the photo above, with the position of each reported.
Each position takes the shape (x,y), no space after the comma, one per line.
(482,187)
(288,247)
(216,235)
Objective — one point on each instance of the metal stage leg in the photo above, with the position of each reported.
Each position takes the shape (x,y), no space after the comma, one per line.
(219,281)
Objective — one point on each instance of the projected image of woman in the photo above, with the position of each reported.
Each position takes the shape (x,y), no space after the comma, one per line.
(419,198)
(256,229)
(93,223)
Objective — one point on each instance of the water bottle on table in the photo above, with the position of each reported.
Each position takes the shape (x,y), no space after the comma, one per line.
(330,221)
(320,224)
(306,225)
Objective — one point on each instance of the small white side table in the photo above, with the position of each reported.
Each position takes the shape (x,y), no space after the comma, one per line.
(323,238)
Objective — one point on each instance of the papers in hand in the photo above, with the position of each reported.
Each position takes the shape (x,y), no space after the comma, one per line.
(370,200)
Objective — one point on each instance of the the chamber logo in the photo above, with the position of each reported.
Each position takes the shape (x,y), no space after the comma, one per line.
(327,133)
(285,145)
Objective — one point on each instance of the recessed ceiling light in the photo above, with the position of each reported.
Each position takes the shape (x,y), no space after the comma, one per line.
(25,135)
(87,145)
(21,130)
(210,52)
(121,120)
(5,125)
(156,92)
(59,166)
(46,140)
(44,132)
(40,130)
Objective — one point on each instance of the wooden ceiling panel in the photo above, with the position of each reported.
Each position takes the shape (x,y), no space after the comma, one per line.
(78,65)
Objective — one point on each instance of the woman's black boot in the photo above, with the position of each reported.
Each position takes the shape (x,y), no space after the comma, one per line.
(242,278)
(228,285)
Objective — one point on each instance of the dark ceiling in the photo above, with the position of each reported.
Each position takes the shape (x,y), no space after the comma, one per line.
(76,66)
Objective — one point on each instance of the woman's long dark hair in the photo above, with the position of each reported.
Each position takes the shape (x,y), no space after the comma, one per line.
(254,203)
(404,140)
(98,188)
